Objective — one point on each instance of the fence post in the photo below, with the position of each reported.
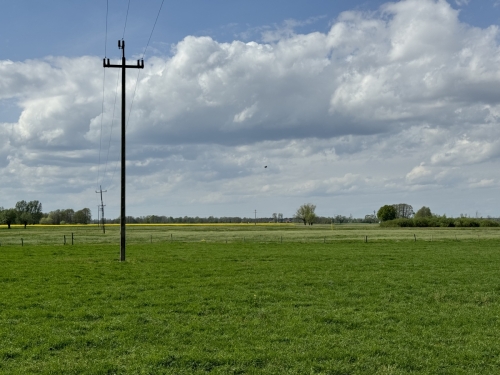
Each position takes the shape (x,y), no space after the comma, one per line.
(64,239)
(22,242)
(171,237)
(415,237)
(72,239)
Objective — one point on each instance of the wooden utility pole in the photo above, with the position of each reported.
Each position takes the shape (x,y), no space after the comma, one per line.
(123,66)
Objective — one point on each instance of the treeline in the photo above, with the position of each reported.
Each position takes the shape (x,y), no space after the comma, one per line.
(402,215)
(154,219)
(441,221)
(27,213)
(67,216)
(23,213)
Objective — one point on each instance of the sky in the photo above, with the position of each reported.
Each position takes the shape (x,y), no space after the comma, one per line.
(351,105)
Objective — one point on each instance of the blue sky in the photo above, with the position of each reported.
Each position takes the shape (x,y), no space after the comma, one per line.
(33,29)
(352,105)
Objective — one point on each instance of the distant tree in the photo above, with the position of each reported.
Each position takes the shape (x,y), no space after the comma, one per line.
(423,212)
(21,206)
(306,213)
(68,215)
(46,221)
(339,219)
(24,218)
(35,209)
(275,217)
(28,212)
(8,217)
(24,213)
(54,217)
(83,216)
(387,212)
(403,210)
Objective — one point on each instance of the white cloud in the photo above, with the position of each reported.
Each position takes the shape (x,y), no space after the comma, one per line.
(393,101)
(246,114)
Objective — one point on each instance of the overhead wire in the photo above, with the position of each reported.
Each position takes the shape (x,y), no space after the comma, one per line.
(142,58)
(112,124)
(116,95)
(138,73)
(126,18)
(103,87)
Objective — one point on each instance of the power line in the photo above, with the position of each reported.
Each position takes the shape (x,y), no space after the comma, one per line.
(116,95)
(126,18)
(139,72)
(154,25)
(111,129)
(103,86)
(143,56)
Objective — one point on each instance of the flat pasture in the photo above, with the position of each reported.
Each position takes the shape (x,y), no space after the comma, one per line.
(234,233)
(304,306)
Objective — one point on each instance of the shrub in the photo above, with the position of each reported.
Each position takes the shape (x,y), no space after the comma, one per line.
(422,222)
(489,223)
(46,221)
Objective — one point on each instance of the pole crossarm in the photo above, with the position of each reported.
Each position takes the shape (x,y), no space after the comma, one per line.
(106,64)
(140,65)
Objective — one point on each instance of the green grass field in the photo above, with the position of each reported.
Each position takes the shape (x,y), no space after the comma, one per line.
(389,306)
(265,233)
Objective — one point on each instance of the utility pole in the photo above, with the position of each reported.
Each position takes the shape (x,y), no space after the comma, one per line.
(101,208)
(255,217)
(123,66)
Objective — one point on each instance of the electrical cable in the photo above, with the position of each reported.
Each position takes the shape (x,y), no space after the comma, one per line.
(143,55)
(103,86)
(142,58)
(126,18)
(116,94)
(138,73)
(111,129)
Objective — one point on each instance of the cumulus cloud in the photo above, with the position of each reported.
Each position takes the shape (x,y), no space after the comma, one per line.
(383,102)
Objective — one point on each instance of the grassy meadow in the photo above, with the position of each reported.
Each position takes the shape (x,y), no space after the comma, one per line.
(272,300)
(233,233)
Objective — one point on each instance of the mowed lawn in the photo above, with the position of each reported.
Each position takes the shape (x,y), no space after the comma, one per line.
(347,307)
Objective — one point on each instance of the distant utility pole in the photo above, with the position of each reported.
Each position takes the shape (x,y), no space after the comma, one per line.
(123,66)
(255,217)
(101,208)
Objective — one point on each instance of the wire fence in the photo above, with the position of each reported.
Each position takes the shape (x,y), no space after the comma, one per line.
(153,235)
